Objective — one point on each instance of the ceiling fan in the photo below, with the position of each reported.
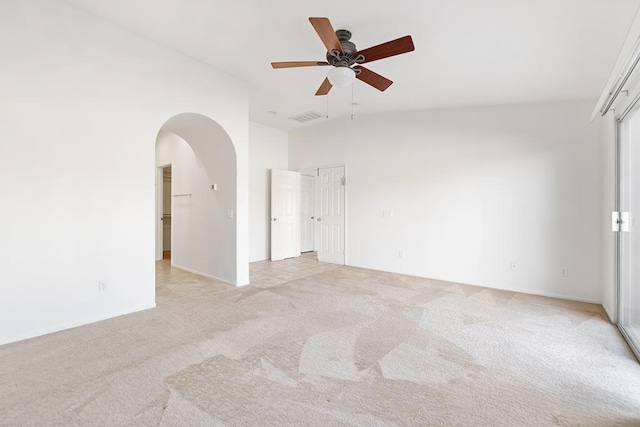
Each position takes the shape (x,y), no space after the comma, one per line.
(346,59)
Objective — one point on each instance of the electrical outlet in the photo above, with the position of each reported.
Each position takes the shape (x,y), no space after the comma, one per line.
(102,286)
(513,266)
(564,271)
(402,254)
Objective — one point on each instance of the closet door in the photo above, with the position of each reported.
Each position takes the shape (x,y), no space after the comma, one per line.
(629,236)
(331,214)
(285,214)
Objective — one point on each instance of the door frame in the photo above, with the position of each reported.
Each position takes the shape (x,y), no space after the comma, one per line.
(159,210)
(311,173)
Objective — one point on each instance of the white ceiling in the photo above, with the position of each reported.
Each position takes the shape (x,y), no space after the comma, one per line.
(468,52)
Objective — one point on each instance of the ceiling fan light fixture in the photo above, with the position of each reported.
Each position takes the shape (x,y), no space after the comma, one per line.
(341,76)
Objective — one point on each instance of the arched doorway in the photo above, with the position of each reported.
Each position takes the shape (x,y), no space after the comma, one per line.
(204,197)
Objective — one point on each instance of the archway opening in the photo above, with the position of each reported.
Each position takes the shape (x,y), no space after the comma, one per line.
(204,228)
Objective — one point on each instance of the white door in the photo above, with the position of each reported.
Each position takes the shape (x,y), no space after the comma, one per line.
(285,214)
(629,238)
(307,217)
(331,214)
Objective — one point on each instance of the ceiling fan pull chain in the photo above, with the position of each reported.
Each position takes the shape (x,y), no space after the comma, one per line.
(327,100)
(352,102)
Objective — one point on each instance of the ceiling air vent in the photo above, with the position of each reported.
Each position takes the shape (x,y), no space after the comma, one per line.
(305,117)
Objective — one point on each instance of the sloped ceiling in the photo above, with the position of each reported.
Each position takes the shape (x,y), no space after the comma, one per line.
(468,52)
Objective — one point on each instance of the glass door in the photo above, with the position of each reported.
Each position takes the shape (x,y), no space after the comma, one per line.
(629,236)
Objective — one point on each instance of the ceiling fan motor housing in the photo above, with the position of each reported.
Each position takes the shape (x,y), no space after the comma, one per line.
(346,59)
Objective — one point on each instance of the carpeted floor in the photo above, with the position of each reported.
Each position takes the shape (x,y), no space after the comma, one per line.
(318,344)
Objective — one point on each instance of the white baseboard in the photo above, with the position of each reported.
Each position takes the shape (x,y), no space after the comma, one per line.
(519,290)
(199,273)
(71,325)
(613,319)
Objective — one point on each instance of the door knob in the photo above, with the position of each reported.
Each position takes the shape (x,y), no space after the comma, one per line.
(312,217)
(275,219)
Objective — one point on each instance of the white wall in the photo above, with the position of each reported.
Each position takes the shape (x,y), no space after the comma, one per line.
(268,149)
(471,191)
(86,100)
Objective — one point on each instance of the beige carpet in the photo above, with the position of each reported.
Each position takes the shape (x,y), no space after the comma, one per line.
(314,344)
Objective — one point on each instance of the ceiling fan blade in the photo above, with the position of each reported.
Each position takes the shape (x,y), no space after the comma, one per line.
(373,79)
(385,50)
(327,34)
(291,64)
(324,88)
